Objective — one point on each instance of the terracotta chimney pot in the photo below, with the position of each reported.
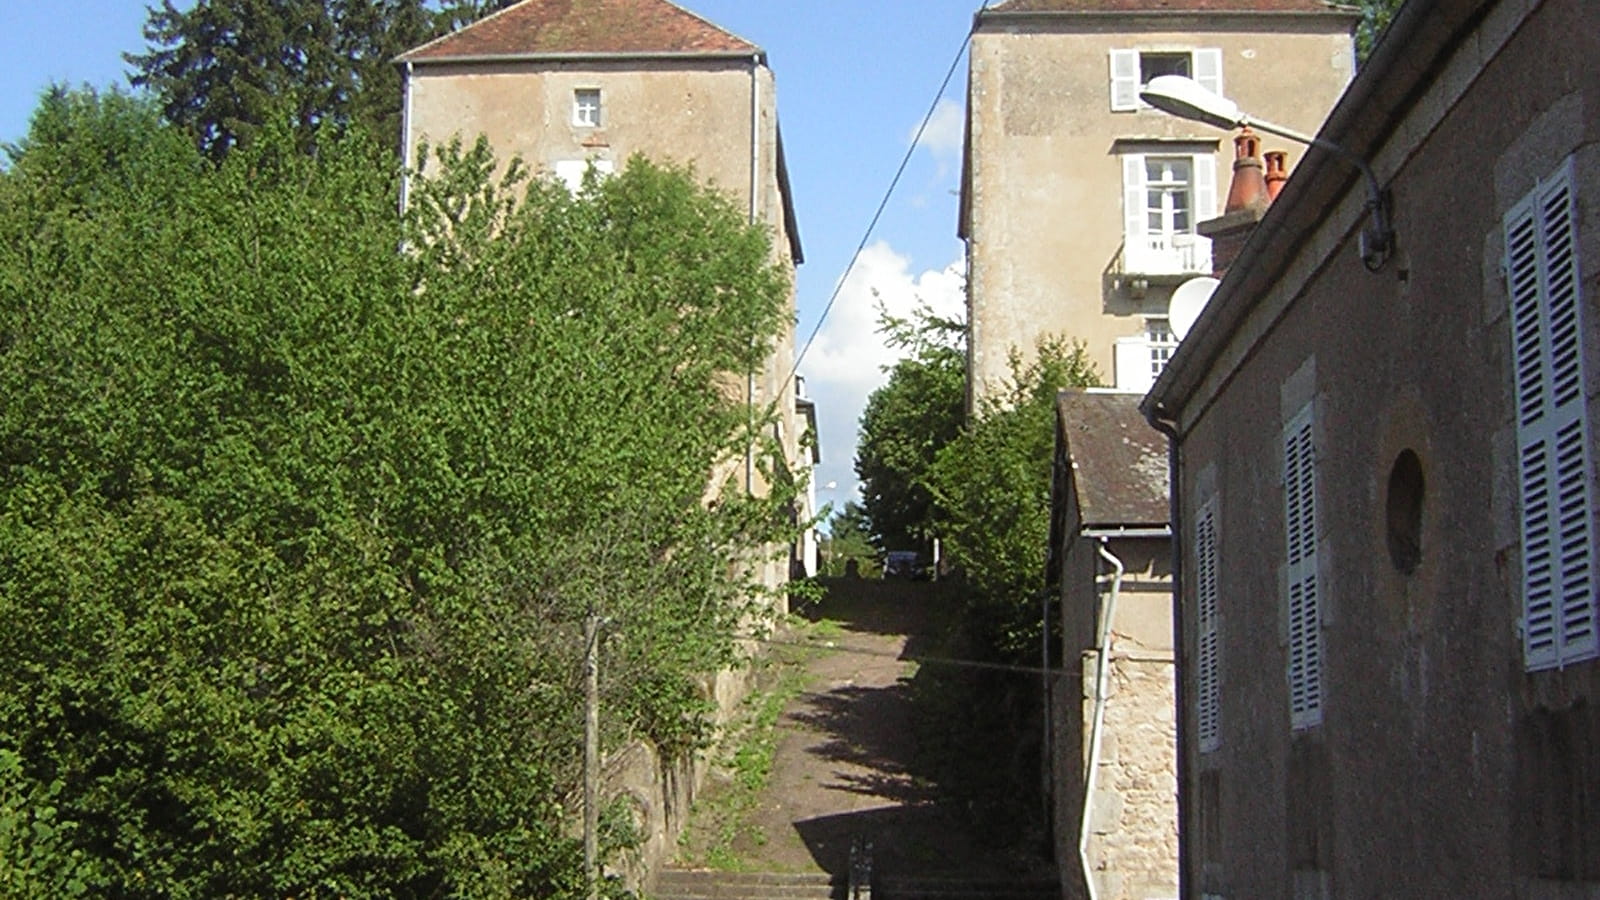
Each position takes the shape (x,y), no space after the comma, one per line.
(1249,185)
(1277,172)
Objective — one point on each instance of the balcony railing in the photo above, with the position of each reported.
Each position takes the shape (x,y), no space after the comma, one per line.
(1164,254)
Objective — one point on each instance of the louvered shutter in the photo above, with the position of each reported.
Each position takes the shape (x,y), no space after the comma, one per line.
(1131,358)
(1134,245)
(1301,588)
(1124,80)
(1208,69)
(1208,687)
(1559,619)
(1205,206)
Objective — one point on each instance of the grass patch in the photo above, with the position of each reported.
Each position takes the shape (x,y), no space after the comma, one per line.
(718,824)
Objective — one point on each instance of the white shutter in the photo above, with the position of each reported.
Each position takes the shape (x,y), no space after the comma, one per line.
(1124,80)
(1208,685)
(571,172)
(1301,588)
(1134,245)
(1205,206)
(1208,69)
(1560,624)
(1132,358)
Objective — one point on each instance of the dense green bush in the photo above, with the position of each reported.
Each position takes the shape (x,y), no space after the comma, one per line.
(991,489)
(303,504)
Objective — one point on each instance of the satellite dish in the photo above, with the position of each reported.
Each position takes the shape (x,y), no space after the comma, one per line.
(1187,302)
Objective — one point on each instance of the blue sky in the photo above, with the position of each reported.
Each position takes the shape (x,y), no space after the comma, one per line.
(855,78)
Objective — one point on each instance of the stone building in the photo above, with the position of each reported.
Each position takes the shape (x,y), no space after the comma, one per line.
(1078,202)
(1389,654)
(570,85)
(1112,737)
(573,84)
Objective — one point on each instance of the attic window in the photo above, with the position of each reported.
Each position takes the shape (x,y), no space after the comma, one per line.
(1132,69)
(586,107)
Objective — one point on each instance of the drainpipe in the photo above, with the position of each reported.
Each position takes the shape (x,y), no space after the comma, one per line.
(405,137)
(1102,669)
(755,208)
(1156,416)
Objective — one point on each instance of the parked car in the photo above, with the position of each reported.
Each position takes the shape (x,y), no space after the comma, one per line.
(904,564)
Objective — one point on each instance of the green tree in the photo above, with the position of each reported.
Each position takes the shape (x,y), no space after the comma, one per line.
(298,533)
(849,538)
(906,423)
(222,68)
(991,488)
(1375,17)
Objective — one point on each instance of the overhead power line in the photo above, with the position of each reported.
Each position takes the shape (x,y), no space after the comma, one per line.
(882,205)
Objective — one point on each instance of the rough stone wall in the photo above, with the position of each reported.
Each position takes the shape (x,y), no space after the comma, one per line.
(1133,843)
(657,794)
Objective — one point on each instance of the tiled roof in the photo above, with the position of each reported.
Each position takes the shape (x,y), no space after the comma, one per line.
(1270,6)
(582,27)
(1119,463)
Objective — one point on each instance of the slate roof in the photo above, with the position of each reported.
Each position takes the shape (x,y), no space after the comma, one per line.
(585,28)
(1115,6)
(1119,463)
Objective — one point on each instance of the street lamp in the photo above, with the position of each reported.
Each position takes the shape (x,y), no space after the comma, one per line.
(1185,98)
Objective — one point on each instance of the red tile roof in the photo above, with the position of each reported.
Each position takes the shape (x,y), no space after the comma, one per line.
(1269,6)
(585,27)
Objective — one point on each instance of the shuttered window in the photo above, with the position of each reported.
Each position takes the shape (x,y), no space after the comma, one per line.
(1208,718)
(1302,592)
(1131,70)
(1164,196)
(1560,625)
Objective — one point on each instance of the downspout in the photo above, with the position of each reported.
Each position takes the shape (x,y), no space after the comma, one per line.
(405,137)
(1102,669)
(1180,667)
(755,208)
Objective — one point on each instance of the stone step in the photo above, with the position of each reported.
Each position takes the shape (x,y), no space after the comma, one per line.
(697,884)
(689,884)
(938,888)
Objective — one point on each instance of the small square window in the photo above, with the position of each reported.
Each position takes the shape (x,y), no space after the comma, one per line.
(586,107)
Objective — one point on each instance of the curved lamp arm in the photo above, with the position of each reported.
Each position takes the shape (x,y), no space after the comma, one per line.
(1185,98)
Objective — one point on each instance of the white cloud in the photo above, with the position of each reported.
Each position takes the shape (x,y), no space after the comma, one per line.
(847,360)
(945,129)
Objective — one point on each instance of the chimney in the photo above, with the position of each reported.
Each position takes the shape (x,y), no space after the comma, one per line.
(1248,196)
(1249,187)
(1277,172)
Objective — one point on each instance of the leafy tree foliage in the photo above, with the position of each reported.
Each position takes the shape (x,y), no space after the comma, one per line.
(223,68)
(906,423)
(849,541)
(991,488)
(298,530)
(1375,17)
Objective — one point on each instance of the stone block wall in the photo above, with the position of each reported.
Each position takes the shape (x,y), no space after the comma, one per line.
(1133,843)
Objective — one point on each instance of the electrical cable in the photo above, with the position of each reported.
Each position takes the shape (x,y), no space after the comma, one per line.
(883,204)
(920,660)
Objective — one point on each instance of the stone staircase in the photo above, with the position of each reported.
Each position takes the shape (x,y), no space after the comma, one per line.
(687,884)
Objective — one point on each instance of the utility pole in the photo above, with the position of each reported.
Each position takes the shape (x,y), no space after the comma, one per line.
(591,752)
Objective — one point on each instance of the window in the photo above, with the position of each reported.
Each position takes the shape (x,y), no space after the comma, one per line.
(1301,597)
(1139,360)
(1162,344)
(1164,196)
(1131,70)
(586,107)
(1210,696)
(1559,619)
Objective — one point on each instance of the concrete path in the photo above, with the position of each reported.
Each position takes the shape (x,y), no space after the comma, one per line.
(845,763)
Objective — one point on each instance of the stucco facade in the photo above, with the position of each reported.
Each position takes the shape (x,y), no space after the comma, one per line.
(1371,702)
(1079,202)
(567,86)
(1112,740)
